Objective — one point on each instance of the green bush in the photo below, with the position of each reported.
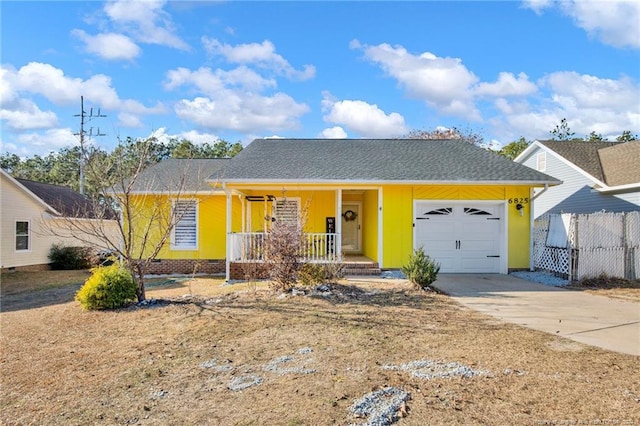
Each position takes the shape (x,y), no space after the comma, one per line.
(70,258)
(108,287)
(421,269)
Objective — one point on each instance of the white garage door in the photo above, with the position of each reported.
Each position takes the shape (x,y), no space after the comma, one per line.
(463,237)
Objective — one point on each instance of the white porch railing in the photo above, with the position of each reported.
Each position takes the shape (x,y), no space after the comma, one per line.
(316,247)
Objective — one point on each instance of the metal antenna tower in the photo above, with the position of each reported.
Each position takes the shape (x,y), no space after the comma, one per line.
(86,119)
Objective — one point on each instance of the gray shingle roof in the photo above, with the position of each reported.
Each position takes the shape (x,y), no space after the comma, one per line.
(167,175)
(374,160)
(581,153)
(66,201)
(621,163)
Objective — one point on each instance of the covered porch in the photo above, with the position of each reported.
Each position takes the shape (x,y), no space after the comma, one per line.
(341,225)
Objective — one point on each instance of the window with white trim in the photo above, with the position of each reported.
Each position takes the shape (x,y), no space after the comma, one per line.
(23,235)
(541,161)
(185,232)
(287,210)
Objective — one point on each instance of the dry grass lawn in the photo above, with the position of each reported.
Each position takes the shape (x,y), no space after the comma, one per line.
(310,356)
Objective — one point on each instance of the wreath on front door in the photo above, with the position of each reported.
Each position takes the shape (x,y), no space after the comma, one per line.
(350,215)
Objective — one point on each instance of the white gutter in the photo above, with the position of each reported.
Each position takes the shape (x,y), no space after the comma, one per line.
(620,188)
(546,186)
(388,182)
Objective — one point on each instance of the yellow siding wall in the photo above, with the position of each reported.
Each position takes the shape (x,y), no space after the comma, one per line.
(370,225)
(319,205)
(398,218)
(519,230)
(212,225)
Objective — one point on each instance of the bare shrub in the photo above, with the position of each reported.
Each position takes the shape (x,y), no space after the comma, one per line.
(252,272)
(283,255)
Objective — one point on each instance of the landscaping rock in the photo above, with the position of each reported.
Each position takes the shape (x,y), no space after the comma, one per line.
(382,407)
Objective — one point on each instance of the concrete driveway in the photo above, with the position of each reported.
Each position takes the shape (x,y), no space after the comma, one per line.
(594,320)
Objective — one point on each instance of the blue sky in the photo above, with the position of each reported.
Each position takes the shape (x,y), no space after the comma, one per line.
(241,70)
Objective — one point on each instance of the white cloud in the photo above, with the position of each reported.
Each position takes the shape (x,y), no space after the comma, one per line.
(233,100)
(261,54)
(109,46)
(40,143)
(335,132)
(212,82)
(194,136)
(507,85)
(589,103)
(46,80)
(145,21)
(242,112)
(538,5)
(443,83)
(363,118)
(25,115)
(586,91)
(616,23)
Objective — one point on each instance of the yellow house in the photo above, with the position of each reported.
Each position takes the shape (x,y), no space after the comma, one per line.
(369,201)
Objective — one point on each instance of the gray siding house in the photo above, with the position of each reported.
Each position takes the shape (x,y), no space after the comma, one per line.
(596,176)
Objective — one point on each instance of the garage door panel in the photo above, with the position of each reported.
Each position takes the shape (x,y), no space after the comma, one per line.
(483,246)
(448,263)
(479,264)
(438,246)
(463,238)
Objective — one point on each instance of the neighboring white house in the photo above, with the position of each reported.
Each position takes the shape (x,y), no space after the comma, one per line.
(32,216)
(596,176)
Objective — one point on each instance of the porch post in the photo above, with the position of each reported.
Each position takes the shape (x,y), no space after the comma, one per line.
(339,223)
(228,259)
(243,202)
(380,230)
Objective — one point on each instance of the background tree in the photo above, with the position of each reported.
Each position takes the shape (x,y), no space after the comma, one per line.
(515,148)
(627,136)
(562,132)
(63,167)
(439,133)
(594,137)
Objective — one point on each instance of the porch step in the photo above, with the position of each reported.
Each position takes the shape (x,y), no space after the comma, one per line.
(361,268)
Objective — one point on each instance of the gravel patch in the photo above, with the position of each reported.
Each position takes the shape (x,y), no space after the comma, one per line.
(394,274)
(158,394)
(244,382)
(382,407)
(541,277)
(212,364)
(276,366)
(428,369)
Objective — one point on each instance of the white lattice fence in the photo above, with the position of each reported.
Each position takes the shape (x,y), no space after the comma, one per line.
(554,259)
(583,246)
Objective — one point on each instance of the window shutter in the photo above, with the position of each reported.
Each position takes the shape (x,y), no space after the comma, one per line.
(185,231)
(286,210)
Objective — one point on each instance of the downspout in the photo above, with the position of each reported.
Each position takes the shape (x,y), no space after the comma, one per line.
(532,223)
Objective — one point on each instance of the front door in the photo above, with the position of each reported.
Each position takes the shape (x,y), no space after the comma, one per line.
(351,228)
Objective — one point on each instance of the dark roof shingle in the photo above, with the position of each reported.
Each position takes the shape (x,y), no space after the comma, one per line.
(374,160)
(179,174)
(65,201)
(581,153)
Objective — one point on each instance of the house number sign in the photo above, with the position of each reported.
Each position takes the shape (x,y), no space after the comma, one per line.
(519,200)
